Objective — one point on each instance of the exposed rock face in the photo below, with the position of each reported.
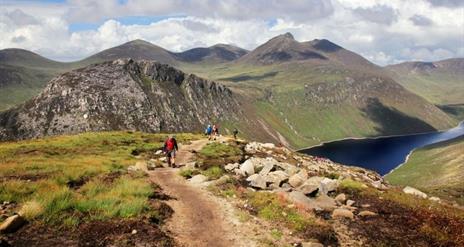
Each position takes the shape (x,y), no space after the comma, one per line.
(121,95)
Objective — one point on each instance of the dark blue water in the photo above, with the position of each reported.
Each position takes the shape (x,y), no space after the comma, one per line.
(380,154)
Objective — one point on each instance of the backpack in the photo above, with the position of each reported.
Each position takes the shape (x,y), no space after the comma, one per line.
(170,144)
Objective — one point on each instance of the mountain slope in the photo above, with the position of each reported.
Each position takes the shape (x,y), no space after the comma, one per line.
(219,53)
(330,94)
(435,169)
(137,49)
(440,82)
(119,95)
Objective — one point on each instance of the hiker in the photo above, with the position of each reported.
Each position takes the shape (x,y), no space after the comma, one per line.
(170,148)
(208,130)
(215,131)
(235,132)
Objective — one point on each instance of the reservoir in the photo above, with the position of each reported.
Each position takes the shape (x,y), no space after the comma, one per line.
(381,154)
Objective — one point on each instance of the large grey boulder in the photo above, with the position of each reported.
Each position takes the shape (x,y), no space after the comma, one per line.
(320,203)
(298,179)
(268,167)
(328,185)
(248,167)
(311,185)
(257,181)
(276,177)
(414,191)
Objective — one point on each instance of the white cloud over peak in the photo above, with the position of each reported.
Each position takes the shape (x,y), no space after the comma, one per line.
(382,31)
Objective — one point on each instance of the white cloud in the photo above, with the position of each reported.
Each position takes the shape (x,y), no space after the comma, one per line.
(385,31)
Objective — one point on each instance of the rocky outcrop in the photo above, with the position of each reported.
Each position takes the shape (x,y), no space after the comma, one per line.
(121,95)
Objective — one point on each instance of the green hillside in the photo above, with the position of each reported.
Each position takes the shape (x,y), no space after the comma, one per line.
(436,169)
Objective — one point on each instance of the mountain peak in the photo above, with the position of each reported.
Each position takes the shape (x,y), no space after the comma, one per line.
(288,35)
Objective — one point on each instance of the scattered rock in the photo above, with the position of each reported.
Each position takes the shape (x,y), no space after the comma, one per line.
(365,205)
(198,179)
(253,147)
(158,152)
(190,165)
(342,213)
(277,177)
(328,185)
(322,202)
(162,159)
(222,180)
(266,169)
(257,181)
(134,231)
(435,199)
(231,166)
(133,169)
(340,198)
(415,192)
(366,213)
(350,203)
(311,244)
(12,224)
(378,184)
(298,179)
(248,167)
(310,186)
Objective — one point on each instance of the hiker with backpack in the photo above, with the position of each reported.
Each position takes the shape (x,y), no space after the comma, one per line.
(235,132)
(170,148)
(215,132)
(208,131)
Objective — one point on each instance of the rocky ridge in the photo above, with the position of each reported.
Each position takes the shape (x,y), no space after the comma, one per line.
(121,95)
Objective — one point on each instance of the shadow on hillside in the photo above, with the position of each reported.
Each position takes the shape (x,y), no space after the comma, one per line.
(249,77)
(390,121)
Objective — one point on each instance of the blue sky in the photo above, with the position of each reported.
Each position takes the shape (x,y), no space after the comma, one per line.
(384,31)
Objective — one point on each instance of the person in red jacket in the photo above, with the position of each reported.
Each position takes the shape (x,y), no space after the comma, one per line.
(170,148)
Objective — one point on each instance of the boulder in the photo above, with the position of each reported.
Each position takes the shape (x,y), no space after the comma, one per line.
(266,169)
(276,177)
(231,166)
(133,169)
(12,224)
(320,203)
(158,152)
(350,203)
(328,185)
(435,199)
(415,192)
(222,180)
(366,213)
(298,179)
(257,181)
(190,165)
(198,179)
(248,167)
(340,198)
(311,185)
(253,147)
(342,213)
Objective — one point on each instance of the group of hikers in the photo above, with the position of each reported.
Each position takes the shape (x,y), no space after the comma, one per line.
(170,145)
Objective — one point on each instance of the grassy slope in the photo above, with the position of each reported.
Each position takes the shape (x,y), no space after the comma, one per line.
(436,169)
(439,87)
(73,179)
(286,111)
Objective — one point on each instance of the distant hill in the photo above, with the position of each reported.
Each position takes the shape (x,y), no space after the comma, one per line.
(436,169)
(440,82)
(214,54)
(137,49)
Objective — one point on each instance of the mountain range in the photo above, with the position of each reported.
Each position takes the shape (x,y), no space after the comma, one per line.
(296,93)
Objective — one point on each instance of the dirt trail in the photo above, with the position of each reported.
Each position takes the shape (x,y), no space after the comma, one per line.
(199,218)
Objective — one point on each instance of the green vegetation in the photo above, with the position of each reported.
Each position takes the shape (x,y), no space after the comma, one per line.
(216,150)
(436,170)
(213,172)
(71,179)
(352,186)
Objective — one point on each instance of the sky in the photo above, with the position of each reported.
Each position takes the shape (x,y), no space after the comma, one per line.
(383,31)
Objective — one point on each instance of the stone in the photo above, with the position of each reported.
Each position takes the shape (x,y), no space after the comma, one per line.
(366,213)
(340,198)
(435,199)
(414,191)
(133,169)
(365,205)
(268,145)
(240,173)
(190,165)
(311,244)
(198,179)
(162,159)
(342,213)
(257,181)
(298,179)
(231,166)
(12,224)
(222,180)
(141,165)
(266,169)
(276,177)
(248,167)
(320,203)
(311,185)
(158,152)
(134,232)
(379,185)
(350,203)
(328,185)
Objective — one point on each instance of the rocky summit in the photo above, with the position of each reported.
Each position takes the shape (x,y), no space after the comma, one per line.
(122,94)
